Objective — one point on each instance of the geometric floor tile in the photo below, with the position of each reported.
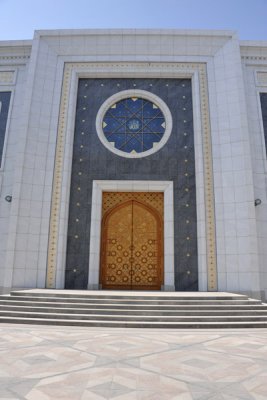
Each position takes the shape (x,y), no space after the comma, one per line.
(50,362)
(199,363)
(110,389)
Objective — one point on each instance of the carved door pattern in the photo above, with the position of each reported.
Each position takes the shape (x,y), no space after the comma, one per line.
(132,247)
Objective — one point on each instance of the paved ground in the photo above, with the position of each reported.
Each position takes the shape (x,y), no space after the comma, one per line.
(43,363)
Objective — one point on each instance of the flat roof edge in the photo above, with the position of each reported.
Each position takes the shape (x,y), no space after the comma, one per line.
(164,32)
(253,43)
(16,43)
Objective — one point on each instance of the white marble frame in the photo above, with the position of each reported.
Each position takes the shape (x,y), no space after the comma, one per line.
(259,90)
(7,88)
(131,186)
(124,94)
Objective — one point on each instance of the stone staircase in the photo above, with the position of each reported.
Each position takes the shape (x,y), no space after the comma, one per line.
(178,310)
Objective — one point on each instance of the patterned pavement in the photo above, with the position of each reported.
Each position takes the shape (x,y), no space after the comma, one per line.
(74,363)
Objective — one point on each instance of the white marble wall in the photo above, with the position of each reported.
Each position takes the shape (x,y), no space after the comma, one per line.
(35,124)
(34,170)
(14,58)
(238,268)
(255,61)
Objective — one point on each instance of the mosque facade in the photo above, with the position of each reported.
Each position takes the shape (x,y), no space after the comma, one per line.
(133,160)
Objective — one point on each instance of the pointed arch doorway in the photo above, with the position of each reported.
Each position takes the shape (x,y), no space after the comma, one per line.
(132,241)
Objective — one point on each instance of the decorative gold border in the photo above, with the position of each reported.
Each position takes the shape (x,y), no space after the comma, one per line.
(208,180)
(107,70)
(56,191)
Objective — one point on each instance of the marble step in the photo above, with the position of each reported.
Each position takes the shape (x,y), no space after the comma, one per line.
(67,309)
(133,309)
(142,307)
(140,324)
(134,301)
(136,318)
(128,295)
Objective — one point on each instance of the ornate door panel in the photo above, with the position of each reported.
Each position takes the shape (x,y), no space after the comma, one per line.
(117,247)
(145,247)
(132,246)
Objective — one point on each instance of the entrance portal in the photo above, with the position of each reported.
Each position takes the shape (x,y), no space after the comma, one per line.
(132,241)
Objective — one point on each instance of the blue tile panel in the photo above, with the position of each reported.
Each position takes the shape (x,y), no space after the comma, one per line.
(134,125)
(4,107)
(175,161)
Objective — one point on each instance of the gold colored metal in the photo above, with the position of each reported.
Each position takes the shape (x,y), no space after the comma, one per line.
(116,247)
(208,186)
(114,69)
(132,243)
(56,194)
(147,248)
(111,199)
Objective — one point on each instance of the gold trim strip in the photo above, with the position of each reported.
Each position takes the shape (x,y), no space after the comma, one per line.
(57,181)
(208,182)
(107,69)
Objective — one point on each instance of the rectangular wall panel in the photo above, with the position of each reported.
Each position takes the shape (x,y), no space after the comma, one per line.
(175,161)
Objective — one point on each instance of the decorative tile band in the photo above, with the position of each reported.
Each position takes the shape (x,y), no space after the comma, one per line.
(56,192)
(254,58)
(208,182)
(6,77)
(262,78)
(170,70)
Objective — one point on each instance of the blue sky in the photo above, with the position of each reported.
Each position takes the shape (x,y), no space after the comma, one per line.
(19,18)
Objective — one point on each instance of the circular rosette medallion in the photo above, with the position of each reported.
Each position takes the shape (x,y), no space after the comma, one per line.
(134,126)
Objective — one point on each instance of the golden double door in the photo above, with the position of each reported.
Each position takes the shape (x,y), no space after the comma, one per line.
(132,241)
